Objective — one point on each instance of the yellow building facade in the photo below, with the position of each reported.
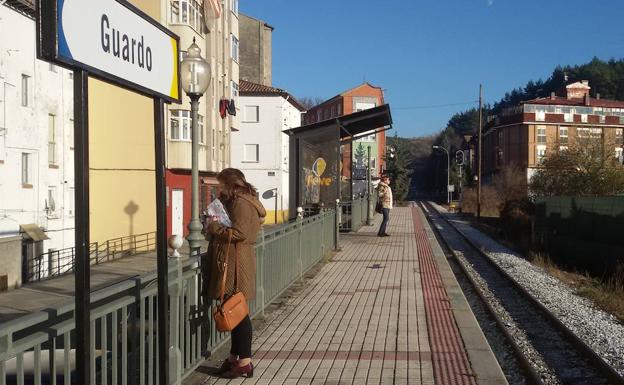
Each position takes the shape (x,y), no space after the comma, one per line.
(122,186)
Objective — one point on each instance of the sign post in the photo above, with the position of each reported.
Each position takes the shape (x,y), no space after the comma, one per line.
(115,42)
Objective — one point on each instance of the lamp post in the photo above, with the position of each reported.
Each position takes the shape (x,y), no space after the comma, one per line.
(448,172)
(195,79)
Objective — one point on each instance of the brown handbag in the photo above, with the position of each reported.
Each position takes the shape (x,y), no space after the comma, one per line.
(233,309)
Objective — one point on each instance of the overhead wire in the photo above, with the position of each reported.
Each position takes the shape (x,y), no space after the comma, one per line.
(422,107)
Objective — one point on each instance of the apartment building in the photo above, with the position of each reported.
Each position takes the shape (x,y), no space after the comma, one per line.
(261,146)
(362,97)
(215,29)
(524,134)
(36,153)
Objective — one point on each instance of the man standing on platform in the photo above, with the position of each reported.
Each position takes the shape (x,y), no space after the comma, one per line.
(385,198)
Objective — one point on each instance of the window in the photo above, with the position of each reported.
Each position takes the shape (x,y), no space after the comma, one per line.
(235,89)
(339,109)
(25,84)
(319,115)
(26,177)
(188,12)
(52,158)
(180,125)
(568,117)
(602,118)
(234,48)
(541,134)
(584,118)
(619,136)
(540,116)
(51,201)
(200,128)
(251,114)
(214,142)
(563,135)
(582,132)
(540,153)
(618,153)
(333,111)
(586,132)
(235,6)
(251,153)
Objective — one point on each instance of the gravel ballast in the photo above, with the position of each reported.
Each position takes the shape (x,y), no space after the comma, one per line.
(601,331)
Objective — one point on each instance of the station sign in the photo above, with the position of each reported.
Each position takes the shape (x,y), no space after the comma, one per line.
(112,40)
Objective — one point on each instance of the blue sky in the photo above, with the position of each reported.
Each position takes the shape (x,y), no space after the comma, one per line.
(432,52)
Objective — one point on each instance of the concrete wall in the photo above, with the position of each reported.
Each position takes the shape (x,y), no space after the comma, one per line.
(10,260)
(256,50)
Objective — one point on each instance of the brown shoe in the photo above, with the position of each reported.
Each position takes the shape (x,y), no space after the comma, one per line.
(239,371)
(226,365)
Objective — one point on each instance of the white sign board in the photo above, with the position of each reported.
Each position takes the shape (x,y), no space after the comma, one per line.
(451,188)
(114,40)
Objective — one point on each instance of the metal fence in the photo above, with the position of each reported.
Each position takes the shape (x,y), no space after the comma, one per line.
(584,232)
(39,348)
(354,214)
(55,263)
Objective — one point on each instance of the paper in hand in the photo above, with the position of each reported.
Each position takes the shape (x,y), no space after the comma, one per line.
(216,209)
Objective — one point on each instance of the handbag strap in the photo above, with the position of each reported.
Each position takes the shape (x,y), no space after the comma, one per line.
(236,261)
(225,266)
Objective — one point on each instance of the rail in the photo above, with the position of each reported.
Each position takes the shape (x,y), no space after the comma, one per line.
(55,263)
(354,214)
(40,347)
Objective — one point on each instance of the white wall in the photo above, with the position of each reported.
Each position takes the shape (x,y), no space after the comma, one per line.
(275,115)
(26,131)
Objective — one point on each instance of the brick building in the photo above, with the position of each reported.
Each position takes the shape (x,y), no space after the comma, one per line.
(360,98)
(522,135)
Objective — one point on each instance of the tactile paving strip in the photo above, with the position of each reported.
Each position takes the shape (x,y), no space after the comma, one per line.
(450,360)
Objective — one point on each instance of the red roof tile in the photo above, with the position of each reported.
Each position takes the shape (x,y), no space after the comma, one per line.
(559,100)
(247,88)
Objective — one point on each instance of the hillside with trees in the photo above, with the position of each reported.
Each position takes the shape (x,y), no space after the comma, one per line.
(428,175)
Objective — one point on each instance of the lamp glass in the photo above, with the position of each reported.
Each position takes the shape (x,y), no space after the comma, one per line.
(194,72)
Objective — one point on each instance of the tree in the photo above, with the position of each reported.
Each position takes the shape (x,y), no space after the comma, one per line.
(587,167)
(398,167)
(310,102)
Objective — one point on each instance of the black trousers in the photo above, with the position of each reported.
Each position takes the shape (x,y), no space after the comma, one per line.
(384,222)
(241,339)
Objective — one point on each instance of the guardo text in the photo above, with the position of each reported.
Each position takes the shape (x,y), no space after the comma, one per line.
(121,46)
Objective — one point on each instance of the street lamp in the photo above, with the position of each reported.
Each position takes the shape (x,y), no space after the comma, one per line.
(448,172)
(195,79)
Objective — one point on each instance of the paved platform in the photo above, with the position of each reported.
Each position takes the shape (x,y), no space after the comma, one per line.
(37,296)
(382,311)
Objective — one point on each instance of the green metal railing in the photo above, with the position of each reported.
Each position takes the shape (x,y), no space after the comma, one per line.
(60,262)
(354,214)
(39,347)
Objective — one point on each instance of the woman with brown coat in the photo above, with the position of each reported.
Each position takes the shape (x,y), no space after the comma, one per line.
(247,215)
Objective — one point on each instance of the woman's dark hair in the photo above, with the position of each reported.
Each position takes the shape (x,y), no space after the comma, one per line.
(234,183)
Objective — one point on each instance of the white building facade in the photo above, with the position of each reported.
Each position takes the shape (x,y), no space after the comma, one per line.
(260,146)
(36,152)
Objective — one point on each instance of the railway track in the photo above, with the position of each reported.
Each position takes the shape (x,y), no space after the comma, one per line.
(549,352)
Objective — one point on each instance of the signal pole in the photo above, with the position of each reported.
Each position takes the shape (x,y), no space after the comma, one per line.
(480,152)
